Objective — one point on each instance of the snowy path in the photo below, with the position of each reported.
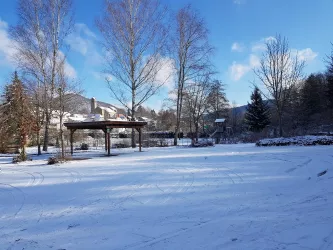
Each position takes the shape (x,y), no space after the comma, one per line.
(226,197)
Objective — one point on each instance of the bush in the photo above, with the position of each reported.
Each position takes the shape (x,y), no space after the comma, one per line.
(84,146)
(297,141)
(162,143)
(52,160)
(205,143)
(20,158)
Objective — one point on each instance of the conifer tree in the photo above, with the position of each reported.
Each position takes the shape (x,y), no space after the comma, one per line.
(257,113)
(17,114)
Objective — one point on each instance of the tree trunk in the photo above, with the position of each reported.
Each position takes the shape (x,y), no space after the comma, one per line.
(39,152)
(133,119)
(46,135)
(197,132)
(175,140)
(280,125)
(23,153)
(62,139)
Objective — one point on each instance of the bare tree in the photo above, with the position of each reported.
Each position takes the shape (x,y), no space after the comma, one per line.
(38,39)
(196,101)
(279,71)
(67,99)
(135,39)
(191,52)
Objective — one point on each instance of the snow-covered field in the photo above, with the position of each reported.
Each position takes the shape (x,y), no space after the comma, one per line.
(225,197)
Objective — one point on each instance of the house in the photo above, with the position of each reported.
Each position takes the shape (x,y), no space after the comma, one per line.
(99,112)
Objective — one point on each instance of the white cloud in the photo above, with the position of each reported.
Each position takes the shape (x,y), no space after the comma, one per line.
(270,38)
(261,44)
(83,28)
(7,51)
(83,41)
(254,61)
(166,73)
(306,55)
(80,39)
(70,71)
(102,76)
(237,47)
(6,45)
(239,1)
(238,70)
(3,24)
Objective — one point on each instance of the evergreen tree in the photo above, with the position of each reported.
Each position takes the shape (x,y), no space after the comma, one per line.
(257,112)
(310,95)
(17,114)
(217,101)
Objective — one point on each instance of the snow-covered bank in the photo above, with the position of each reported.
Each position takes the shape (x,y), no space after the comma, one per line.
(308,140)
(222,197)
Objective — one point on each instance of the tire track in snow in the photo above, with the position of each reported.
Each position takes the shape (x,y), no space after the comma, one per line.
(165,236)
(235,174)
(21,201)
(183,184)
(327,242)
(74,175)
(181,188)
(33,181)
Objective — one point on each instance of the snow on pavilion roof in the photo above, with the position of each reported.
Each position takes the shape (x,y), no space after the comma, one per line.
(220,120)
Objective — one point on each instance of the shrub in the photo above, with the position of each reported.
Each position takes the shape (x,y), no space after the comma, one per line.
(162,143)
(84,146)
(298,140)
(52,160)
(20,158)
(204,143)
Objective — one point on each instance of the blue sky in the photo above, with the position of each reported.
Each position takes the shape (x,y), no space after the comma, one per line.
(238,29)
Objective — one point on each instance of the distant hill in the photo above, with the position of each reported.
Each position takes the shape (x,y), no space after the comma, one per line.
(242,109)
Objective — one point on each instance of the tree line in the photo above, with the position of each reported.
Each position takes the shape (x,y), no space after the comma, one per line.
(295,104)
(140,39)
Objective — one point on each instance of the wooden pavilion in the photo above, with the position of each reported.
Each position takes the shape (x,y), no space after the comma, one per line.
(106,127)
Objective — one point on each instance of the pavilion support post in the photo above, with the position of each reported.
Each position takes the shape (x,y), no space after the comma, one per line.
(109,144)
(108,132)
(105,140)
(72,140)
(140,139)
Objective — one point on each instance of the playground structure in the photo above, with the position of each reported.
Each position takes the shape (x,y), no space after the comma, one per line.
(222,134)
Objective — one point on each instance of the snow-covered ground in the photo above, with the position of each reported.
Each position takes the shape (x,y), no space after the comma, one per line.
(224,197)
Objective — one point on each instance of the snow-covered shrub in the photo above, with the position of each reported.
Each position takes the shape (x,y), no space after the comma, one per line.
(52,160)
(204,143)
(161,142)
(84,146)
(21,157)
(298,140)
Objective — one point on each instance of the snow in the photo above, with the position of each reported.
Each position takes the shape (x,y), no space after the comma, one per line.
(222,197)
